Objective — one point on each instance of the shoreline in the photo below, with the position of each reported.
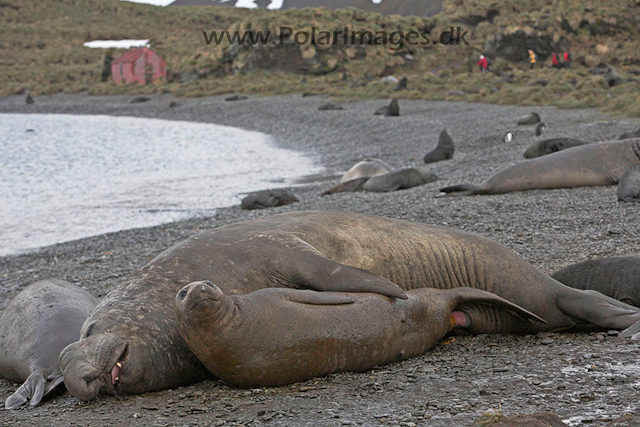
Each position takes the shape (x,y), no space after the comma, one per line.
(549,228)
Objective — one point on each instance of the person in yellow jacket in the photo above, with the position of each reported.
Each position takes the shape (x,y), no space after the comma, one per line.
(532,58)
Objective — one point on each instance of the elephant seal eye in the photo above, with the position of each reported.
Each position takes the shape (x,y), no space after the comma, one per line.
(182,293)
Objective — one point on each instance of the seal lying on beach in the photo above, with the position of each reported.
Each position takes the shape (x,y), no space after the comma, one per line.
(617,277)
(529,119)
(629,186)
(36,325)
(366,169)
(548,146)
(629,135)
(272,337)
(397,180)
(130,343)
(268,199)
(601,163)
(443,151)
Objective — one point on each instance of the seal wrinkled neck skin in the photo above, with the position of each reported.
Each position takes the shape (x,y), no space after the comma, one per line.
(200,300)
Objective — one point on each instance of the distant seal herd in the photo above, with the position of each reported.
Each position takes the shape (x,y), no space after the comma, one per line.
(288,297)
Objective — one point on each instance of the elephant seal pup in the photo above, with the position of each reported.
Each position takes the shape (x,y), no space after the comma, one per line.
(268,199)
(443,151)
(36,325)
(617,277)
(629,186)
(130,343)
(272,337)
(399,180)
(548,146)
(601,163)
(529,119)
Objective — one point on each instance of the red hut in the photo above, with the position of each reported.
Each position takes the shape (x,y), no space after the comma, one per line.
(139,64)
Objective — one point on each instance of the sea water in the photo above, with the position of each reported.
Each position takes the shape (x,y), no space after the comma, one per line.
(65,177)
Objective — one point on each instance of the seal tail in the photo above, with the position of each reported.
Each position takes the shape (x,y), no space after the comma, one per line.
(463,189)
(594,308)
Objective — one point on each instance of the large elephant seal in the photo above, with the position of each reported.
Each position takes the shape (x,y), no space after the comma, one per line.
(272,337)
(36,325)
(443,151)
(548,146)
(601,163)
(268,199)
(629,186)
(617,277)
(392,181)
(130,343)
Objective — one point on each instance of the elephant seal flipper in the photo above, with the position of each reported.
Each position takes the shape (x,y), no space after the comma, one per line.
(346,187)
(319,298)
(32,390)
(607,312)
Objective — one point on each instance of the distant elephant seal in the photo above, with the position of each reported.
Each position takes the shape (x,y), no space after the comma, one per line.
(443,151)
(130,343)
(617,277)
(330,106)
(529,119)
(36,325)
(548,146)
(391,181)
(305,334)
(601,163)
(366,169)
(393,109)
(629,186)
(268,199)
(399,180)
(629,135)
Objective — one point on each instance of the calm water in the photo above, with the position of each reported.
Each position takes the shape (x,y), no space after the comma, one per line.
(65,177)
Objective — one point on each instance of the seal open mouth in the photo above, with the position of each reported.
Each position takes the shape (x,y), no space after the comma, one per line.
(117,367)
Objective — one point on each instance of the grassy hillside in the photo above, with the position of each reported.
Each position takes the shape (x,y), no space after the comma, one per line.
(41,44)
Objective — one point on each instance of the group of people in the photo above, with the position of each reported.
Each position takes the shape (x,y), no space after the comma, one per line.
(483,63)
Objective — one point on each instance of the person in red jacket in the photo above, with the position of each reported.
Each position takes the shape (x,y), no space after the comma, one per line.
(567,59)
(483,63)
(554,61)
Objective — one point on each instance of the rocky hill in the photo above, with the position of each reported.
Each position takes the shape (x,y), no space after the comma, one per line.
(385,7)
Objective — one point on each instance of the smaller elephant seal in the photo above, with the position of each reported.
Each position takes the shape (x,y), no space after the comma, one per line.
(443,151)
(540,128)
(399,180)
(402,84)
(529,119)
(330,106)
(615,277)
(28,98)
(629,186)
(629,135)
(392,181)
(393,109)
(236,98)
(276,336)
(548,146)
(34,328)
(366,169)
(268,199)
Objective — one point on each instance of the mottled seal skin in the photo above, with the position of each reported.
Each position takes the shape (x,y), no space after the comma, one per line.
(268,199)
(366,169)
(135,326)
(272,337)
(548,146)
(601,163)
(443,151)
(529,119)
(617,277)
(36,325)
(629,186)
(399,180)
